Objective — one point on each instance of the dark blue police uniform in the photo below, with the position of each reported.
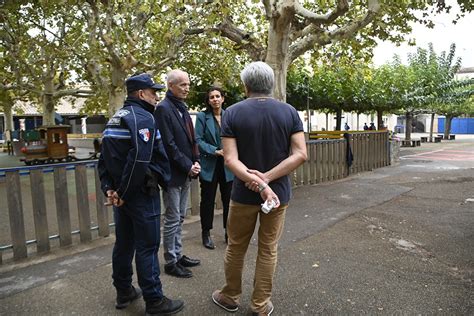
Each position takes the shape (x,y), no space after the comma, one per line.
(132,162)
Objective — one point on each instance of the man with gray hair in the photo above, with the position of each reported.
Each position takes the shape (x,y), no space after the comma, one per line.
(263,143)
(177,131)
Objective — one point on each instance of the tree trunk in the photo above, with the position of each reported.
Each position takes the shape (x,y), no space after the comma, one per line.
(277,55)
(447,126)
(116,89)
(338,119)
(432,126)
(409,119)
(8,116)
(48,101)
(380,120)
(116,98)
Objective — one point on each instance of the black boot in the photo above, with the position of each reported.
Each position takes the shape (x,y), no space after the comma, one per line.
(125,298)
(164,306)
(206,240)
(226,238)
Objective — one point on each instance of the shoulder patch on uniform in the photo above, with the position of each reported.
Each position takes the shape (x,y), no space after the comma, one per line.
(144,134)
(121,113)
(114,121)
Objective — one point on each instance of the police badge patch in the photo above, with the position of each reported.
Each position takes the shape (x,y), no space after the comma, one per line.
(122,113)
(114,121)
(144,134)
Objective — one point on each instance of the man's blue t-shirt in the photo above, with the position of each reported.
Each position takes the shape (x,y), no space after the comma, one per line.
(262,128)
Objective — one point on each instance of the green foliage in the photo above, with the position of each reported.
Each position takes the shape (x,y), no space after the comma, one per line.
(49,46)
(330,86)
(426,84)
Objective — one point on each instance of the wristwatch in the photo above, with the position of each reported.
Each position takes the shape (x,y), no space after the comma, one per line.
(262,186)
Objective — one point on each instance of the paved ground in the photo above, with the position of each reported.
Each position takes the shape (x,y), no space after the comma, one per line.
(398,240)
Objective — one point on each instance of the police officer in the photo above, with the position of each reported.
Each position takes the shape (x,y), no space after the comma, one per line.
(131,165)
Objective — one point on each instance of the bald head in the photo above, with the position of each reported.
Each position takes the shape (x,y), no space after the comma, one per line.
(178,83)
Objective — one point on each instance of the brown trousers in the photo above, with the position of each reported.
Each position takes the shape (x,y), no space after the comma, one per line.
(240,227)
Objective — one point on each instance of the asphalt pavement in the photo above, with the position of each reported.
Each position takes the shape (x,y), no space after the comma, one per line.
(397,240)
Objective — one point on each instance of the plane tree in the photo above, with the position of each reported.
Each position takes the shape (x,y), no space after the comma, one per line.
(37,44)
(454,100)
(281,31)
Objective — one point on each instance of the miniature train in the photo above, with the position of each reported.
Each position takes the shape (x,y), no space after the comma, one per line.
(48,144)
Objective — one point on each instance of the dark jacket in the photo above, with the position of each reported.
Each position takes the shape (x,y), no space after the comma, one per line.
(132,153)
(208,144)
(177,141)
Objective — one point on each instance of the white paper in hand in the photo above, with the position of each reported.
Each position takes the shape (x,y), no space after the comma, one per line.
(268,206)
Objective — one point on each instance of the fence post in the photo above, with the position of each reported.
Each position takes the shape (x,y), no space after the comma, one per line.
(15,210)
(218,200)
(319,165)
(306,172)
(194,197)
(102,211)
(354,140)
(299,175)
(62,206)
(39,210)
(326,161)
(345,168)
(362,150)
(311,159)
(342,158)
(83,203)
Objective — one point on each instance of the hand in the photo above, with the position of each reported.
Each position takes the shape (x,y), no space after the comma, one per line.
(219,152)
(268,195)
(113,199)
(253,185)
(109,199)
(195,169)
(117,200)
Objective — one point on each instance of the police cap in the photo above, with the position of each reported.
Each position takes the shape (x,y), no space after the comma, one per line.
(142,81)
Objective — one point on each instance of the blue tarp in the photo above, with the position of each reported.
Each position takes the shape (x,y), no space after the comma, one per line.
(459,125)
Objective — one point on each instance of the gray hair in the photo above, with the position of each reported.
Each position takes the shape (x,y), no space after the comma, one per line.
(174,75)
(258,77)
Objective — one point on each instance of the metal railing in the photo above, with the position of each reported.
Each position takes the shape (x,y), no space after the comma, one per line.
(68,199)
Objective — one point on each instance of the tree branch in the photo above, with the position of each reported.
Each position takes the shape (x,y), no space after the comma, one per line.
(74,92)
(106,39)
(313,35)
(243,40)
(20,86)
(268,8)
(311,17)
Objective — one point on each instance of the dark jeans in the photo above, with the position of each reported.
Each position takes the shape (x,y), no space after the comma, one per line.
(137,230)
(208,196)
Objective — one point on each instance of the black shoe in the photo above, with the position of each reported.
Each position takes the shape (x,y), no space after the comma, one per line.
(164,306)
(125,298)
(207,241)
(188,262)
(226,238)
(175,269)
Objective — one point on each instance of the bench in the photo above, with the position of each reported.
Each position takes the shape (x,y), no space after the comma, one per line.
(438,139)
(452,137)
(424,139)
(411,143)
(441,136)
